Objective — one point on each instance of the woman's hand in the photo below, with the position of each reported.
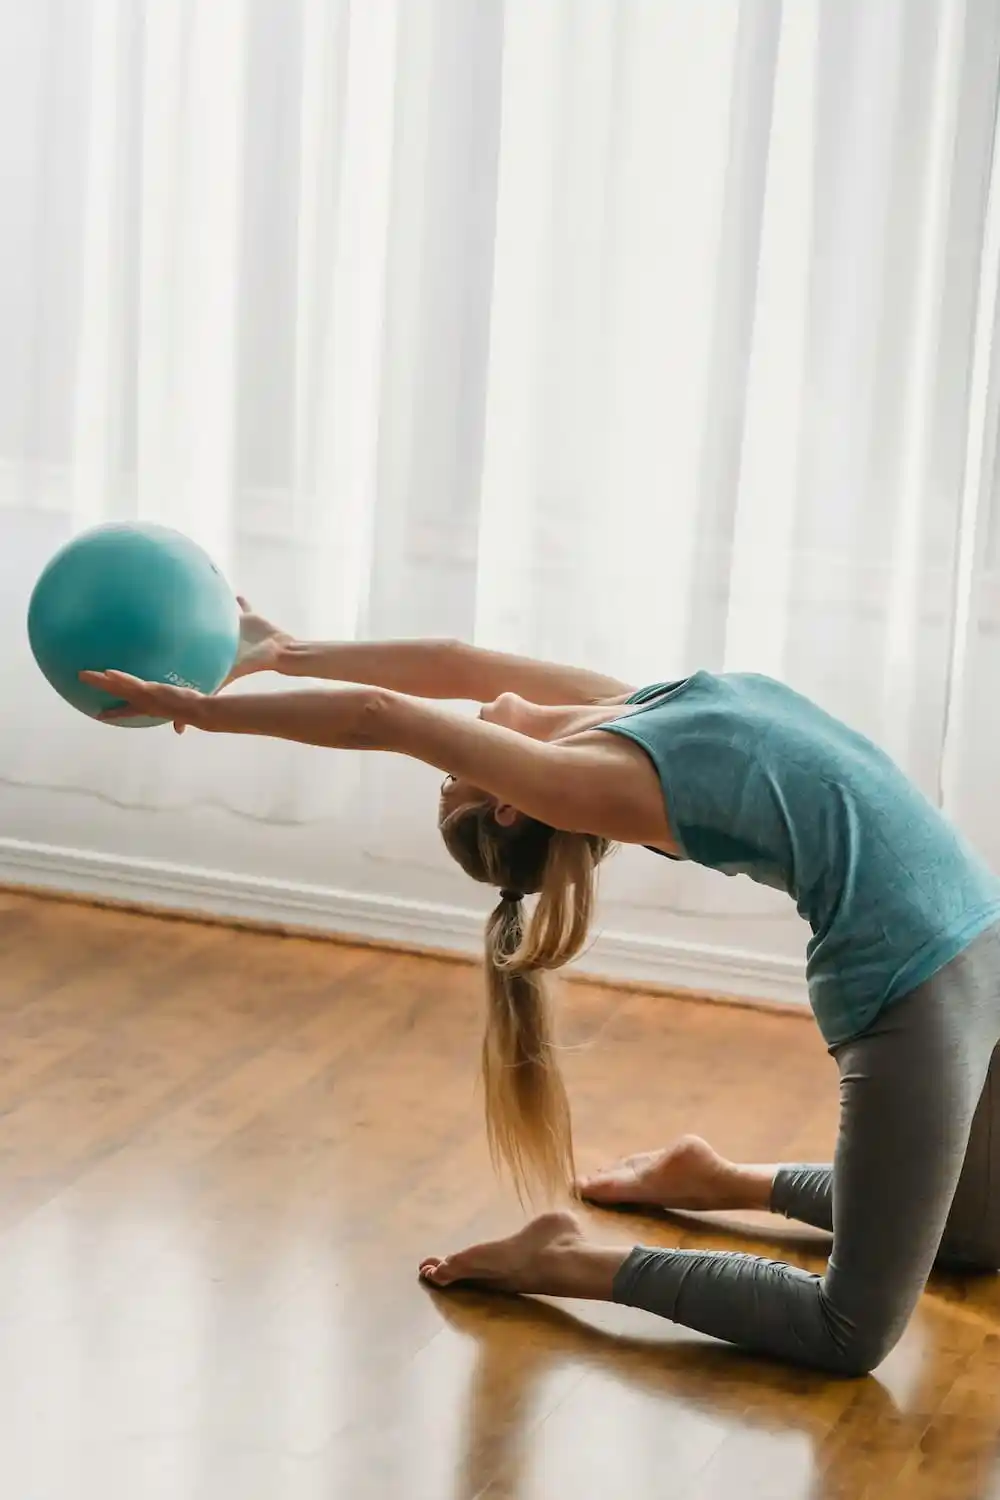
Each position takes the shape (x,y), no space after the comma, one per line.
(154,700)
(260,648)
(261,645)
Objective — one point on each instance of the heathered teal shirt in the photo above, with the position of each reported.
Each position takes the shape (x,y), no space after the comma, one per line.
(759,781)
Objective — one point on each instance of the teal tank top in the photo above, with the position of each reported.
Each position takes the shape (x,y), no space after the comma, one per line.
(759,781)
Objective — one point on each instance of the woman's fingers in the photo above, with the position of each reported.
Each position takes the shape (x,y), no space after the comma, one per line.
(109,715)
(155,699)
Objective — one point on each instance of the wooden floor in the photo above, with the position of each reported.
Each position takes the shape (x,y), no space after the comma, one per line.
(222,1155)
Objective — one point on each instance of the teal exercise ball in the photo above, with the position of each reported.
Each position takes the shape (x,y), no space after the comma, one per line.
(132,598)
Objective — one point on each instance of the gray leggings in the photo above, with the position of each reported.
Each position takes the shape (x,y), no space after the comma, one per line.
(915,1182)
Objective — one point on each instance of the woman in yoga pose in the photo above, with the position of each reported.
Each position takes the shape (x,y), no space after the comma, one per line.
(739,773)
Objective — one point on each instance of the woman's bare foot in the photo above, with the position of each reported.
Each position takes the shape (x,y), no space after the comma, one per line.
(690,1174)
(548,1257)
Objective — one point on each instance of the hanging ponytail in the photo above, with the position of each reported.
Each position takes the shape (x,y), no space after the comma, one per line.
(527,1110)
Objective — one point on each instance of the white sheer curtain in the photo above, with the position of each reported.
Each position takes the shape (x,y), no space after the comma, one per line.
(645,333)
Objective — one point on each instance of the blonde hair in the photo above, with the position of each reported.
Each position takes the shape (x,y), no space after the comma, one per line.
(527,1110)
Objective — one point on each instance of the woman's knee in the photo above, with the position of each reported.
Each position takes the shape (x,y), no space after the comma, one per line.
(857,1346)
(861,1352)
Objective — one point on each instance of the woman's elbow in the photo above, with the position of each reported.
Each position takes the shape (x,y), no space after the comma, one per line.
(372,724)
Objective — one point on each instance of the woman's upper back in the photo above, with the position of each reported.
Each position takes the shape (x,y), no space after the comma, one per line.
(758,780)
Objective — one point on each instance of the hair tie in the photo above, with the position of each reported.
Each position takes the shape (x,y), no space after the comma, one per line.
(515,896)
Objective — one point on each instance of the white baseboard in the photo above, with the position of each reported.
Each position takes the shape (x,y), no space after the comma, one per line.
(617,956)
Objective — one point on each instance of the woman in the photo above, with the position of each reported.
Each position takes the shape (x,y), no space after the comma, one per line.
(739,773)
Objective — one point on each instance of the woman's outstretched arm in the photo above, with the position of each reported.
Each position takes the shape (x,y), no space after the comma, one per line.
(421,668)
(608,787)
(446,669)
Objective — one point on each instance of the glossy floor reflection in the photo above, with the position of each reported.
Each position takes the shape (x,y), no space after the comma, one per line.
(221,1157)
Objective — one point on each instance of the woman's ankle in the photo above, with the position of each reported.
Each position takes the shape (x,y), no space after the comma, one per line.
(580,1270)
(749,1186)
